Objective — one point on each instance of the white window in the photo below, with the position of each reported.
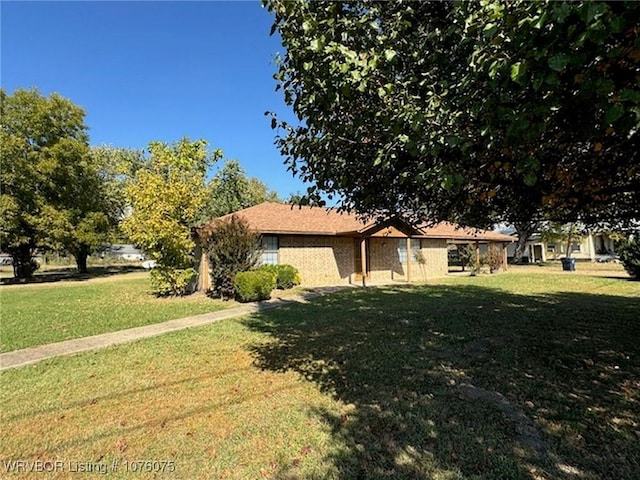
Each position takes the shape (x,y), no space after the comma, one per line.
(576,247)
(551,248)
(270,250)
(402,249)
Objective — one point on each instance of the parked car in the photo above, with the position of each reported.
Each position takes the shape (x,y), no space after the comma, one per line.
(149,264)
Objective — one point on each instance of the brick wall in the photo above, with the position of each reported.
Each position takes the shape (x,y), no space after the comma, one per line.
(321,260)
(386,265)
(325,260)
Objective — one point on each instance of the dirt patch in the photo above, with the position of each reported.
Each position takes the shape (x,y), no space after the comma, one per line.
(528,434)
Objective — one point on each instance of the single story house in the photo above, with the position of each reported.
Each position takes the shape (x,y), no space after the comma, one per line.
(594,246)
(123,251)
(328,247)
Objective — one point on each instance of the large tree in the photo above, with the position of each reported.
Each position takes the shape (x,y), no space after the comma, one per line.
(231,190)
(477,112)
(166,196)
(53,190)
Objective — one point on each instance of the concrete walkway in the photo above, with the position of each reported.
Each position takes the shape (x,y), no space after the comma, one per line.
(28,356)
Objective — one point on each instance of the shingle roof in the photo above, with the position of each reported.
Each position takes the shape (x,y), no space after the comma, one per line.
(279,218)
(451,231)
(284,218)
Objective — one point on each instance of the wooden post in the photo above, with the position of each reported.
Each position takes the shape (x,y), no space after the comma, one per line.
(408,259)
(505,258)
(477,253)
(204,278)
(363,260)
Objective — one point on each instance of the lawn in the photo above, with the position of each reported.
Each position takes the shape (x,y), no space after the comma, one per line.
(46,312)
(510,376)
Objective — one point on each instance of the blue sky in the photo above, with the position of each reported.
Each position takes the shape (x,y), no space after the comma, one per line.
(147,71)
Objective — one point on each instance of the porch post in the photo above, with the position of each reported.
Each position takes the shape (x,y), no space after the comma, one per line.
(477,252)
(204,279)
(363,260)
(408,259)
(592,247)
(505,257)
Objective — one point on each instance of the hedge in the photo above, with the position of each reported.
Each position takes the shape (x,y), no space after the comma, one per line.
(254,285)
(287,276)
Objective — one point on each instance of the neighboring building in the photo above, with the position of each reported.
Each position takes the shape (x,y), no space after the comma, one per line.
(328,247)
(594,246)
(125,252)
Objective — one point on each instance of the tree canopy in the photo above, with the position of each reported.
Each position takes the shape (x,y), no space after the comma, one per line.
(166,195)
(231,190)
(52,186)
(476,112)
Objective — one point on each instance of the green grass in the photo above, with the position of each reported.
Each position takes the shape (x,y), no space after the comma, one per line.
(50,312)
(512,376)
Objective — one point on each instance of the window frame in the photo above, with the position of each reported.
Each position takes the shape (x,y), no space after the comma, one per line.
(415,246)
(268,250)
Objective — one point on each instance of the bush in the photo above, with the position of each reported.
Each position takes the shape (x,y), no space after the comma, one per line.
(167,281)
(494,258)
(253,286)
(232,248)
(287,276)
(467,255)
(629,253)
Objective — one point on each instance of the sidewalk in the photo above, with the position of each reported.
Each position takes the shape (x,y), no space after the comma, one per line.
(28,356)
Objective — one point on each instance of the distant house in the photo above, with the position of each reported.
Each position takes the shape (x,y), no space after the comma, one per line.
(594,246)
(124,252)
(328,247)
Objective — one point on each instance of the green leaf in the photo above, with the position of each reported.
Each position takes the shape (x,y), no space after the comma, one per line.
(537,82)
(490,29)
(517,72)
(540,22)
(316,44)
(389,54)
(613,114)
(530,179)
(629,94)
(558,62)
(617,24)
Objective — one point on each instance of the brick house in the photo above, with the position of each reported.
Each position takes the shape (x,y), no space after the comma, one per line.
(328,247)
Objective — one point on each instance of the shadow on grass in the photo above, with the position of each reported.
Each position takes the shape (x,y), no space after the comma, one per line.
(467,382)
(71,274)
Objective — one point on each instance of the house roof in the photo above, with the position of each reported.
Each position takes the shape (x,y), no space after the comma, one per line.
(285,218)
(454,232)
(280,218)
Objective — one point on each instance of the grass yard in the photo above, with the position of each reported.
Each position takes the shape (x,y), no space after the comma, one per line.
(35,314)
(510,376)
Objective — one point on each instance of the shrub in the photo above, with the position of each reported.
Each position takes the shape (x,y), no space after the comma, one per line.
(167,281)
(232,248)
(467,255)
(253,286)
(494,258)
(287,276)
(629,253)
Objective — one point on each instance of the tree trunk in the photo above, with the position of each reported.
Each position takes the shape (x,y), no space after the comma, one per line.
(23,263)
(81,258)
(524,230)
